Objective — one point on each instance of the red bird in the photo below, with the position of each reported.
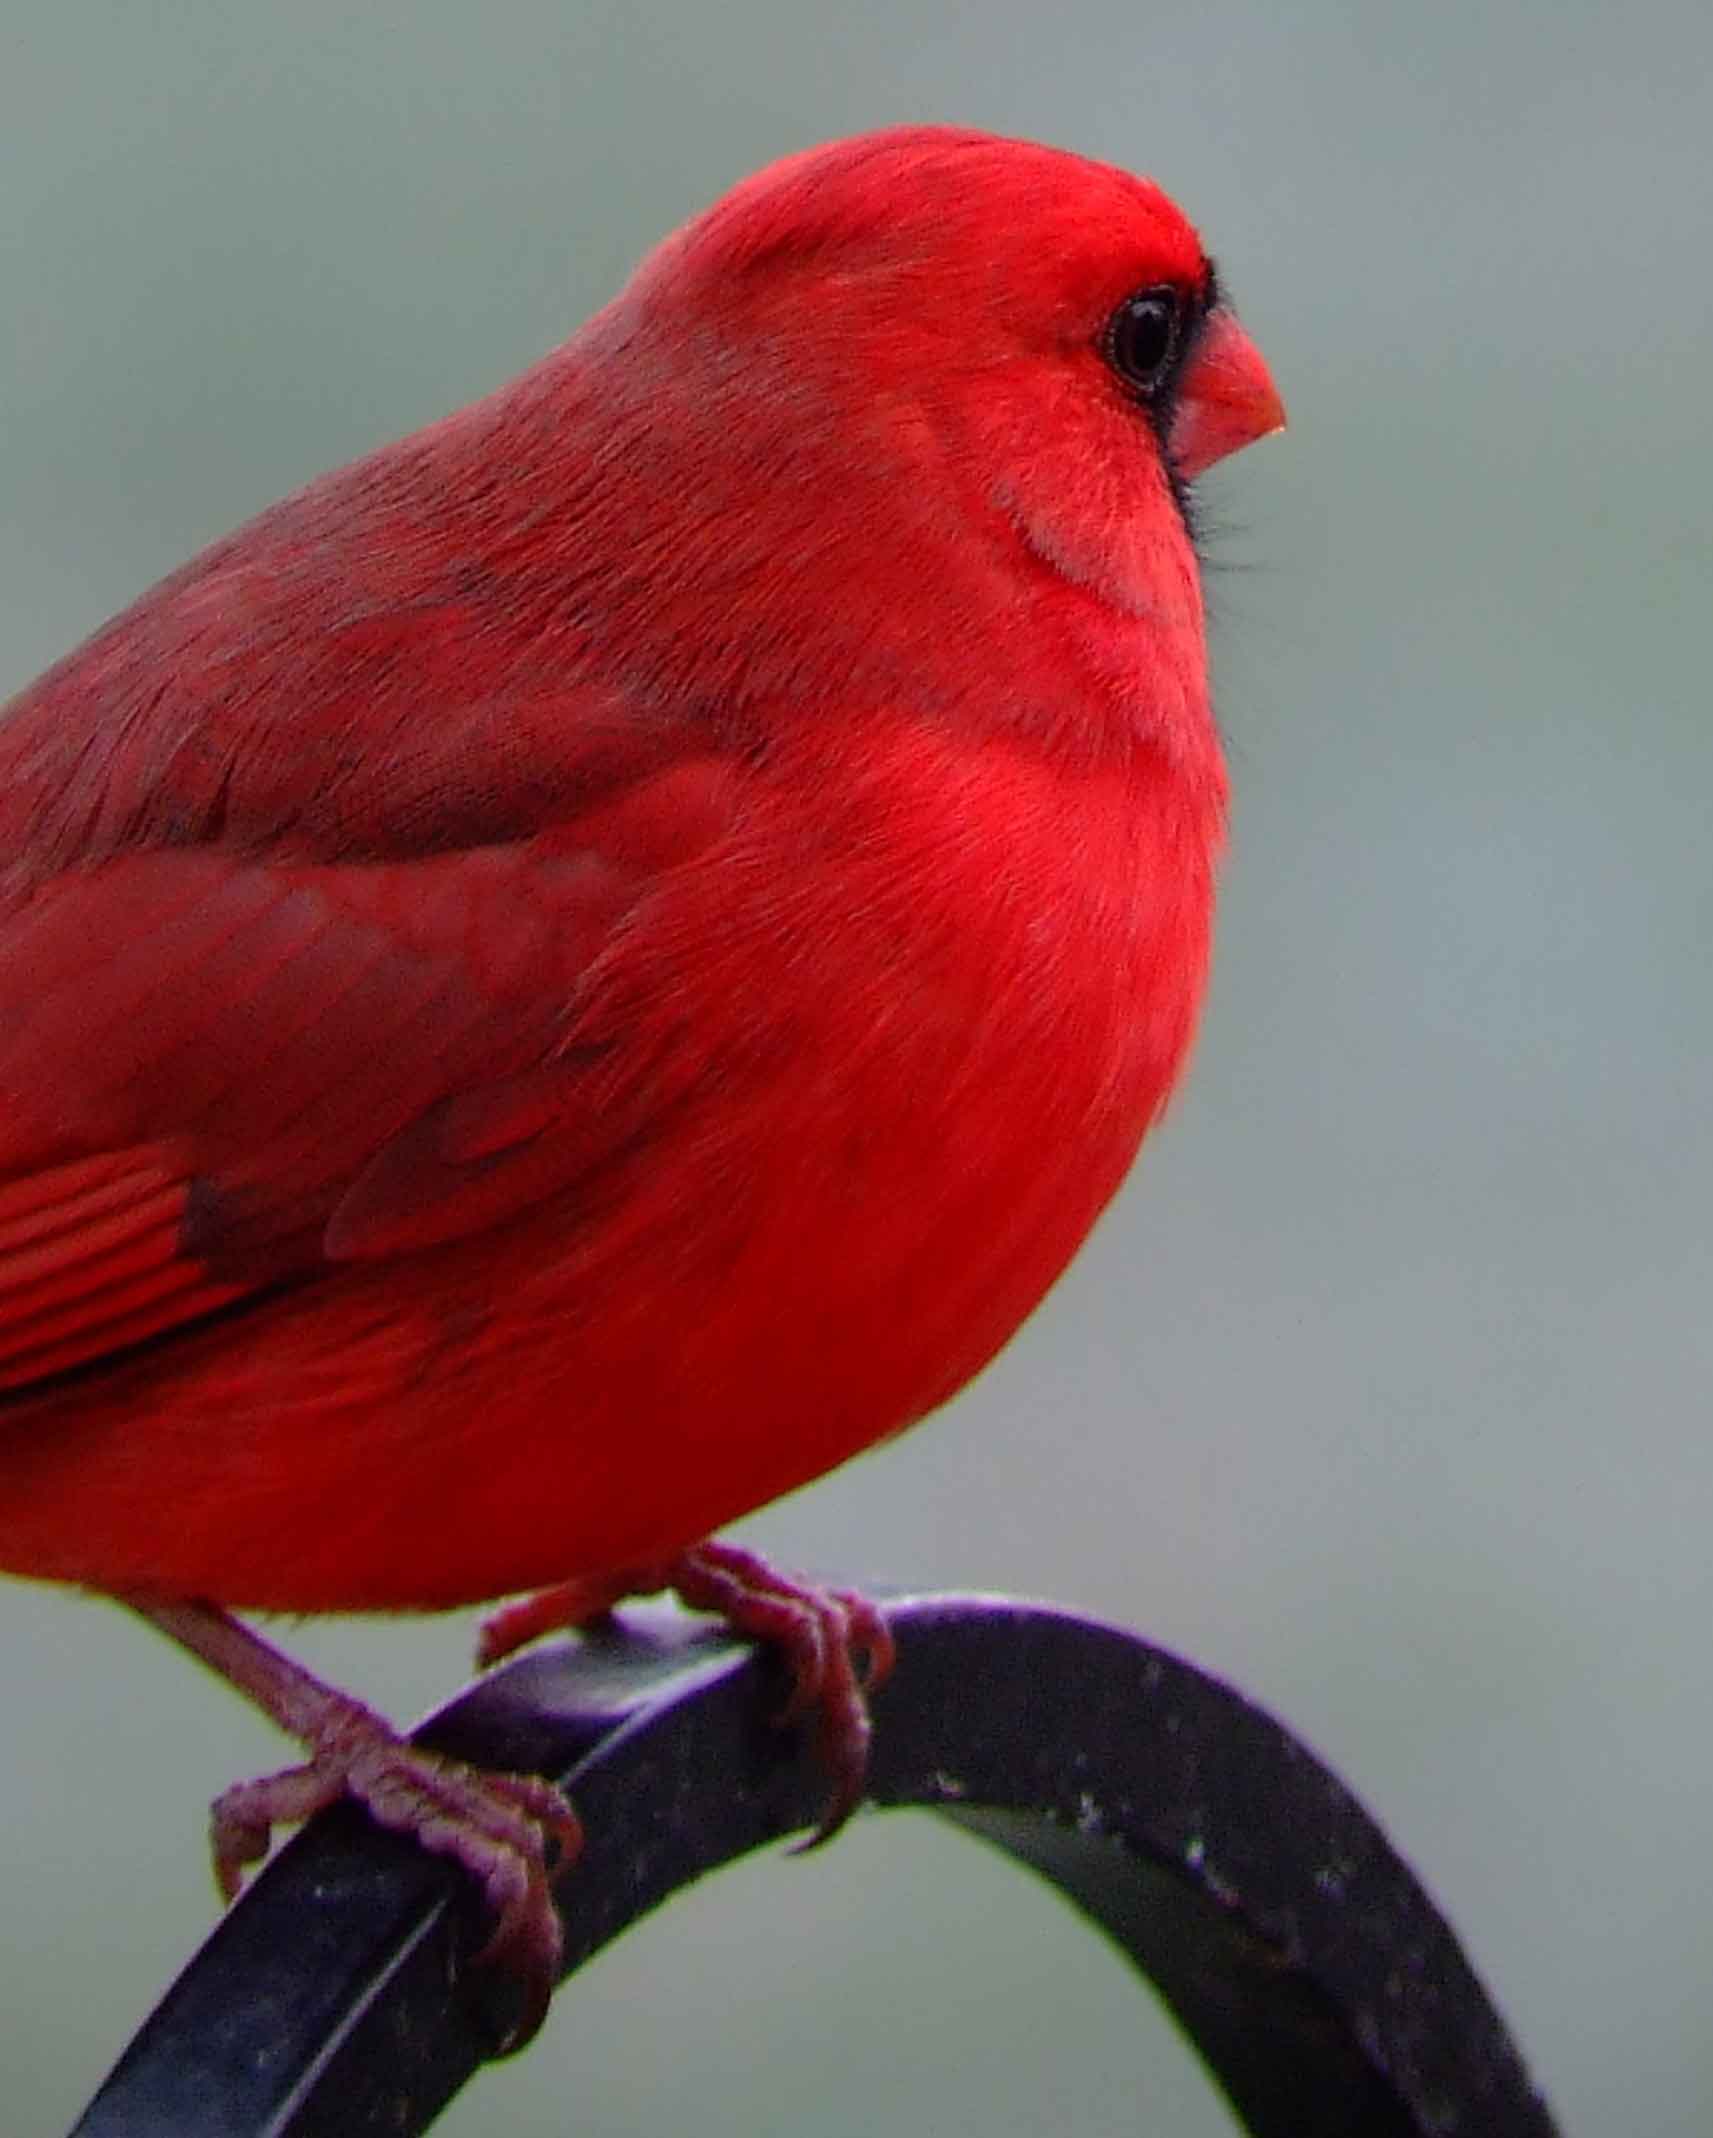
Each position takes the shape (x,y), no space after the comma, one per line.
(585,968)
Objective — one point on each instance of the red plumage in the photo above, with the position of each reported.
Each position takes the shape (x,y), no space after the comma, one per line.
(584,968)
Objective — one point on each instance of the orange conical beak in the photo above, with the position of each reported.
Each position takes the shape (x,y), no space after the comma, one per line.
(1226,398)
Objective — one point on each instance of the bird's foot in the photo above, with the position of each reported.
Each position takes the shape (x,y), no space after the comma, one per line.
(499,1827)
(836,1644)
(511,1832)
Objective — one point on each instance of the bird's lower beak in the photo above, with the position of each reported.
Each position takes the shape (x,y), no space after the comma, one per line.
(1226,398)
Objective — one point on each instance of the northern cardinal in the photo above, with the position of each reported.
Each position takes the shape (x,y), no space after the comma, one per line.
(588,966)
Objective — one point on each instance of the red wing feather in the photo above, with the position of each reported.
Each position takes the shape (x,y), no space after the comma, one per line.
(203,1058)
(91,1262)
(303,860)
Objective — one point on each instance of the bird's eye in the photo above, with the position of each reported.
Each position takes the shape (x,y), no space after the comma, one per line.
(1142,339)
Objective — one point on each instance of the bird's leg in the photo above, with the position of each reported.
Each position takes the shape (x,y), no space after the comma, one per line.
(506,1830)
(836,1644)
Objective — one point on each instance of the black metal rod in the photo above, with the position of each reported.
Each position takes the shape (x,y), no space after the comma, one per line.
(1321,1986)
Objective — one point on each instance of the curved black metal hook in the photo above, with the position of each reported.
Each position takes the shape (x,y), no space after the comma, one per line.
(1322,1988)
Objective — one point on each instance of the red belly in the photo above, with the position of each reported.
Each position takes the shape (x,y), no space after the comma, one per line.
(796,1265)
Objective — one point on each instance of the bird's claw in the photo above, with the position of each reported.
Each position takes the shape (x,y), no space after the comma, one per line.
(836,1644)
(511,1832)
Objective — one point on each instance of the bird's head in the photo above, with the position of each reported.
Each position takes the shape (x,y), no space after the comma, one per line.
(972,355)
(939,267)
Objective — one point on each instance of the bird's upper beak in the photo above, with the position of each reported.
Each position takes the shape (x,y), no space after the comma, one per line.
(1226,397)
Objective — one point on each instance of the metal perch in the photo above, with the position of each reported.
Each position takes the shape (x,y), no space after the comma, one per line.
(1300,1955)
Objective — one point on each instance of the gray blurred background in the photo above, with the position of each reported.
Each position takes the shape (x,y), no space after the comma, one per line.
(1384,1389)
